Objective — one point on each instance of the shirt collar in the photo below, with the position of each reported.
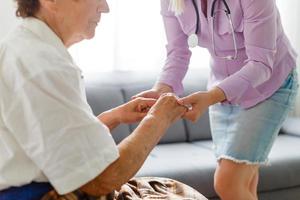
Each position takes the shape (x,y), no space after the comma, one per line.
(44,32)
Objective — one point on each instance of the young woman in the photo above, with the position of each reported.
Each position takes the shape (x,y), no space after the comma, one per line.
(252,84)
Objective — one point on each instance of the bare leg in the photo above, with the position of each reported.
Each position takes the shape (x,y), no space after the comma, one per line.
(233,180)
(254,183)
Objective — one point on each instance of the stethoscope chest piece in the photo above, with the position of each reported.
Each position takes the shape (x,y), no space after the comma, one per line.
(192,40)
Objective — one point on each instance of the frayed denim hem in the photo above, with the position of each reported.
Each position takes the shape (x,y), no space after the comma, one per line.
(247,162)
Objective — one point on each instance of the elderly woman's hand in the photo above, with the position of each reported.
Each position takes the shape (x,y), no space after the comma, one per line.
(167,109)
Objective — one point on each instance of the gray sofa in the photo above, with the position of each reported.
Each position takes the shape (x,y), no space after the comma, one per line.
(185,152)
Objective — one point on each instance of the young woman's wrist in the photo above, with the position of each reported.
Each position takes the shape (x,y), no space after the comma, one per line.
(216,95)
(162,88)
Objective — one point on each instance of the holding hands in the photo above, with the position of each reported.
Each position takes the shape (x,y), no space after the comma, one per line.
(166,108)
(161,104)
(197,102)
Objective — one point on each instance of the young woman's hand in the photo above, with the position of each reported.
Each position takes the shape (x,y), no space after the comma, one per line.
(154,93)
(200,101)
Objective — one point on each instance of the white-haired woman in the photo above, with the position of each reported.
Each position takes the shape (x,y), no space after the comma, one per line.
(252,84)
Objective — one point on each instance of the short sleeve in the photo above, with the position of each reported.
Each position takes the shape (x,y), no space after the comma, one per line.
(52,122)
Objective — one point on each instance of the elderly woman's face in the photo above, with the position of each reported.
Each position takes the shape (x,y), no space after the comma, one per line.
(81,16)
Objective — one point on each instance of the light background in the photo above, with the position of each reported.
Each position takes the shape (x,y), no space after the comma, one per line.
(131,37)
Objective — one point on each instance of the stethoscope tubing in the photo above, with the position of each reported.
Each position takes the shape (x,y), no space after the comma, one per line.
(211,12)
(193,38)
(214,5)
(198,16)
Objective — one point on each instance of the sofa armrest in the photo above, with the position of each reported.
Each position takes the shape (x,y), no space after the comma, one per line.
(291,126)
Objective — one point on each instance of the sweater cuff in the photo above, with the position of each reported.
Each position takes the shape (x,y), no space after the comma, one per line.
(234,88)
(177,87)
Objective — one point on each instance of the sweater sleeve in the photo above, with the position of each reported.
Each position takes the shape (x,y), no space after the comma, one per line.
(260,43)
(178,53)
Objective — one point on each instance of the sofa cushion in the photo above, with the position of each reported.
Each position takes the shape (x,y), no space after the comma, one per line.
(185,162)
(291,126)
(104,98)
(283,194)
(284,171)
(199,130)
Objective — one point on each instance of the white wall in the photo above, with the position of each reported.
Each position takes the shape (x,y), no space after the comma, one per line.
(8,19)
(290,13)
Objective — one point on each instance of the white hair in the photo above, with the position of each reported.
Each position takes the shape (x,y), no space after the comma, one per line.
(176,6)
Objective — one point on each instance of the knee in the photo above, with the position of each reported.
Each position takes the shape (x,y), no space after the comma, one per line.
(227,184)
(223,185)
(233,180)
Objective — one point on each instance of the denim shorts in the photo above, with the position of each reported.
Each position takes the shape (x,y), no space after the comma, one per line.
(247,135)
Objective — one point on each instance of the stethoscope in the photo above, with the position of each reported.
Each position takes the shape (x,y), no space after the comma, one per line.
(193,38)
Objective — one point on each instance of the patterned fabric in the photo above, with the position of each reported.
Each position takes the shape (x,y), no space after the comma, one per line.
(145,188)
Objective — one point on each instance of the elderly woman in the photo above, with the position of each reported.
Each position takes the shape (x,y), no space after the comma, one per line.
(252,85)
(51,145)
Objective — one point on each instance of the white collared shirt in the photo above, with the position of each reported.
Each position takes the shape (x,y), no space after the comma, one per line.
(47,129)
